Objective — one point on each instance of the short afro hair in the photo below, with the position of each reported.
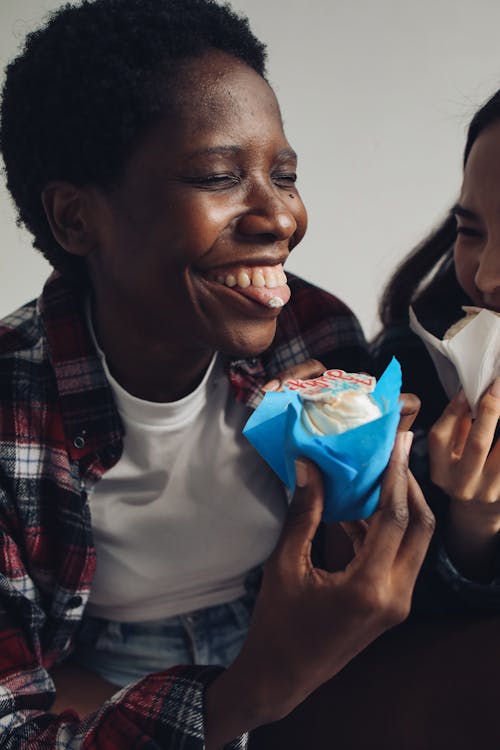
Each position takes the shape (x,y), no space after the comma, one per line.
(90,84)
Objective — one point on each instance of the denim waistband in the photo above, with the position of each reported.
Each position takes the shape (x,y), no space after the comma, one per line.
(122,653)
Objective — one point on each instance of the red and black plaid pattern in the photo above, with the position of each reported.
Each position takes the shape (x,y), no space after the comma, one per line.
(59,432)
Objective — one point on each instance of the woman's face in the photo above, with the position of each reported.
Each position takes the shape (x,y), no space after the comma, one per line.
(190,245)
(477,247)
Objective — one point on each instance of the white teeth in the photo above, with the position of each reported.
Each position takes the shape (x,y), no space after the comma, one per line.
(275,302)
(270,277)
(258,278)
(265,276)
(243,279)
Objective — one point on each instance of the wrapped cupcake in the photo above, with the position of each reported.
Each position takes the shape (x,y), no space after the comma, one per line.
(345,422)
(468,356)
(337,402)
(470,313)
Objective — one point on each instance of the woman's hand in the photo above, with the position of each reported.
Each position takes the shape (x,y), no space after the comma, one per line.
(410,406)
(465,463)
(308,623)
(338,537)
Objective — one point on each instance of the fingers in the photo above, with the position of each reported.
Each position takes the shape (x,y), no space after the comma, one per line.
(356,531)
(418,533)
(444,430)
(337,547)
(388,524)
(480,438)
(410,406)
(311,368)
(459,449)
(491,476)
(447,437)
(397,538)
(304,516)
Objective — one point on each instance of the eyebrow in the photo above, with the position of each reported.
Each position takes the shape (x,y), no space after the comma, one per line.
(285,153)
(465,213)
(215,151)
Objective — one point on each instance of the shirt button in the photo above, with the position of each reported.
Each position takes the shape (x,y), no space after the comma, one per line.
(189,619)
(79,441)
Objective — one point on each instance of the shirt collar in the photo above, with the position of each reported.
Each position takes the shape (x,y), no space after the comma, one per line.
(87,406)
(246,377)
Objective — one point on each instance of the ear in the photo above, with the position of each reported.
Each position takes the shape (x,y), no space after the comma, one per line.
(69,212)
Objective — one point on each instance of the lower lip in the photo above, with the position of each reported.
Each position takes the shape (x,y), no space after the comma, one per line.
(249,306)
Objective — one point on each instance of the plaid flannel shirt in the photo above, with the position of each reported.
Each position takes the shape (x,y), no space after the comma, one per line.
(59,432)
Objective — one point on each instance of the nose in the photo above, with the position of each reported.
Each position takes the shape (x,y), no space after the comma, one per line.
(487,277)
(270,215)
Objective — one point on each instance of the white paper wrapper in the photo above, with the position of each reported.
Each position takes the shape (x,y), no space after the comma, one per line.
(470,359)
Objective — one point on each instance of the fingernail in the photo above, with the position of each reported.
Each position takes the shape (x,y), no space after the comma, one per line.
(300,473)
(461,397)
(495,388)
(408,441)
(273,385)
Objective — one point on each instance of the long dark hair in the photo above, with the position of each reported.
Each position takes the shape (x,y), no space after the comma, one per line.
(431,262)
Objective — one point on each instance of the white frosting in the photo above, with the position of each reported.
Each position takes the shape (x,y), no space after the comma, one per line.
(330,413)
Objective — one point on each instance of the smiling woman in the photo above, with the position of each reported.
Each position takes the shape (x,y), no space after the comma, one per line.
(456,267)
(205,194)
(477,246)
(145,152)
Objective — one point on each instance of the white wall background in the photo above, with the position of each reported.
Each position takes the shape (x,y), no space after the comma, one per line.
(376,98)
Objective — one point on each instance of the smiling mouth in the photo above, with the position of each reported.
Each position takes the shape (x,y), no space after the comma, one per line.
(263,284)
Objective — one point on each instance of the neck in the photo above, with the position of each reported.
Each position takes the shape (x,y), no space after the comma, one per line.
(148,367)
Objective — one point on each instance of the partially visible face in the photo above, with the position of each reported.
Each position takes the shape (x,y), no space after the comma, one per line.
(477,247)
(192,241)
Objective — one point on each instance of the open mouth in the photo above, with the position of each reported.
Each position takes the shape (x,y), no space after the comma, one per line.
(263,284)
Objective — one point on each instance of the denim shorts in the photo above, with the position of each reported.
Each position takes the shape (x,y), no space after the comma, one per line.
(123,652)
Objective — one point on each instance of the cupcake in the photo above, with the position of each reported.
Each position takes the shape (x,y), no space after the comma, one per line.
(470,314)
(332,410)
(468,355)
(344,422)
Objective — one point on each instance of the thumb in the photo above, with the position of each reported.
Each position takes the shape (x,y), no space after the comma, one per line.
(304,514)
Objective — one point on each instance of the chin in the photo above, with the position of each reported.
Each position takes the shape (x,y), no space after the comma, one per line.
(250,343)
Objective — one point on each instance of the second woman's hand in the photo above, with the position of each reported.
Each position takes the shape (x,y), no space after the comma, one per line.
(465,463)
(308,623)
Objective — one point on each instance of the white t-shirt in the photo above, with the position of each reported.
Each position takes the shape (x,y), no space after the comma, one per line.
(189,509)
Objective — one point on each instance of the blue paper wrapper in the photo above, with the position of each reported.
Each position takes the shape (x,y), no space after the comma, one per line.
(352,463)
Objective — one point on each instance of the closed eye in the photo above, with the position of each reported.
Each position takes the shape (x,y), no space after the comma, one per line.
(216,178)
(468,231)
(216,181)
(464,214)
(286,179)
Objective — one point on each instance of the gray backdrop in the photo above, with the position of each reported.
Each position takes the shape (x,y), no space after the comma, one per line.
(376,97)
